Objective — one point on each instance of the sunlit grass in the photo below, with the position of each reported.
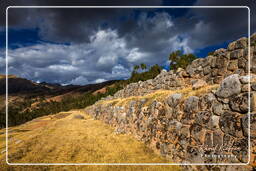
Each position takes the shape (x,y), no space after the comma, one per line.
(161,95)
(65,139)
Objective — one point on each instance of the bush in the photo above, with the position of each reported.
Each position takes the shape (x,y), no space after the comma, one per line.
(180,60)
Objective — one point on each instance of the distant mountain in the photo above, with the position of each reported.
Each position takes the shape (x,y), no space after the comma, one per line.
(23,86)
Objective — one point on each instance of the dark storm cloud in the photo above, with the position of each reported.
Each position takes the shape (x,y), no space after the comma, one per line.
(18,18)
(106,43)
(224,24)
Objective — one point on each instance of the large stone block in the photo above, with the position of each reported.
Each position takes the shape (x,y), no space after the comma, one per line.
(230,86)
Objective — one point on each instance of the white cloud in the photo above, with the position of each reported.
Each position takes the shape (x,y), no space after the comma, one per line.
(100,80)
(107,55)
(79,81)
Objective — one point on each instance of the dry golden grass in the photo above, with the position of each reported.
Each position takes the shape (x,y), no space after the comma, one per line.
(9,76)
(160,95)
(64,139)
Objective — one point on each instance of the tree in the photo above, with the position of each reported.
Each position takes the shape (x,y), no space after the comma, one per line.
(143,66)
(136,67)
(180,60)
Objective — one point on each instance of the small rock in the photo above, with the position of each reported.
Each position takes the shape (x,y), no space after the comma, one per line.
(191,104)
(236,54)
(246,88)
(78,117)
(230,124)
(198,84)
(245,79)
(231,46)
(203,118)
(253,86)
(217,108)
(174,99)
(239,103)
(252,124)
(233,65)
(18,141)
(119,131)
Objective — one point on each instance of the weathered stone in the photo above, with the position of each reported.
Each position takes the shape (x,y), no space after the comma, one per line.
(219,52)
(245,88)
(193,154)
(246,79)
(191,104)
(233,65)
(214,121)
(207,70)
(217,138)
(236,54)
(208,141)
(206,101)
(252,124)
(164,149)
(174,125)
(190,70)
(78,117)
(230,124)
(232,46)
(203,118)
(119,130)
(242,62)
(198,84)
(185,130)
(241,43)
(240,149)
(239,103)
(212,61)
(174,99)
(198,133)
(217,79)
(221,63)
(253,86)
(217,108)
(230,86)
(253,101)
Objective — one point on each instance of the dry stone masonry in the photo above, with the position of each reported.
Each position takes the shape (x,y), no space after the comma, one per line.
(209,127)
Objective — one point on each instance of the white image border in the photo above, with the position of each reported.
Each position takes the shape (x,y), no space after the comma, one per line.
(140,164)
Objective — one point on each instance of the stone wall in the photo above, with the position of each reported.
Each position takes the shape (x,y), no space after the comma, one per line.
(210,127)
(212,69)
(181,129)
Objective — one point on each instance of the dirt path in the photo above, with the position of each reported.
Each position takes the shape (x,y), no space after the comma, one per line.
(74,137)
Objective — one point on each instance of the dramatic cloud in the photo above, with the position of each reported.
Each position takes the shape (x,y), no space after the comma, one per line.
(84,45)
(106,56)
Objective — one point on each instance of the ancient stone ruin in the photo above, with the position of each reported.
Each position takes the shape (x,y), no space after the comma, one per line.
(194,115)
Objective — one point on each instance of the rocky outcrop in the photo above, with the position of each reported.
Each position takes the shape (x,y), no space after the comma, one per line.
(195,122)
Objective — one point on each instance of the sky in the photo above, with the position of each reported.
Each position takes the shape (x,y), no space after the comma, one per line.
(91,45)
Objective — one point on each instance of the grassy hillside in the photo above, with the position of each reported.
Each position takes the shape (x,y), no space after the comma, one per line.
(44,100)
(74,137)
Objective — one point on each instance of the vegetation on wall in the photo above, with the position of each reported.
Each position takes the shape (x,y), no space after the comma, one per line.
(180,60)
